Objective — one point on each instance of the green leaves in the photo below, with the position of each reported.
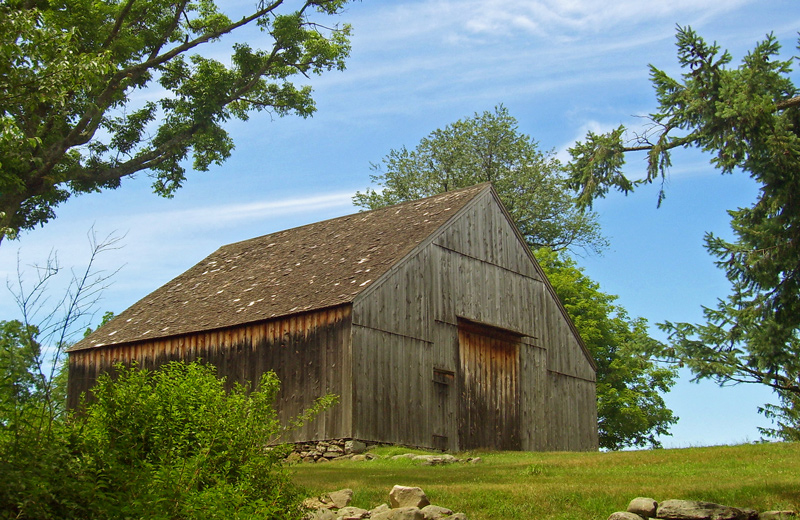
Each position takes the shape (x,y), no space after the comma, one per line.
(596,166)
(172,443)
(68,69)
(489,147)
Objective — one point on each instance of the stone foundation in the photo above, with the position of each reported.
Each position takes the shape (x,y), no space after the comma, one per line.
(331,449)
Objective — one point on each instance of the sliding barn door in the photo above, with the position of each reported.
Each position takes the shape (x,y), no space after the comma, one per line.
(489,415)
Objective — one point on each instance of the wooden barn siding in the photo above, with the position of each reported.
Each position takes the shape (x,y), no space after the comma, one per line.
(406,326)
(572,420)
(483,232)
(309,352)
(553,401)
(393,391)
(533,392)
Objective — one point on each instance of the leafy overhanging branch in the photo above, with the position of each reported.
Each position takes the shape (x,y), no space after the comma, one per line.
(67,120)
(747,118)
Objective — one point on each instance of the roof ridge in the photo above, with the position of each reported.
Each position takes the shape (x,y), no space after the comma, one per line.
(444,194)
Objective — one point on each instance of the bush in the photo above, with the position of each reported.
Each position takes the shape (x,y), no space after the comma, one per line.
(171,444)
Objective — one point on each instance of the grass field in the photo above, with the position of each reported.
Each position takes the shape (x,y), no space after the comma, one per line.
(514,485)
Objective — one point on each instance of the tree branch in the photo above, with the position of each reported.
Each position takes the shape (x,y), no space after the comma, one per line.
(118,23)
(787,103)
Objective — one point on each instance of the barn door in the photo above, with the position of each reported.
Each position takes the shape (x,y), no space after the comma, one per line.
(489,383)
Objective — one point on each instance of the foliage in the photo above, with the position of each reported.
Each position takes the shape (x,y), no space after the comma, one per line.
(172,443)
(72,72)
(748,118)
(20,383)
(175,443)
(489,147)
(630,409)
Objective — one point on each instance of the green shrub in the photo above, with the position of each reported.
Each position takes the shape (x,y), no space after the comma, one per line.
(165,444)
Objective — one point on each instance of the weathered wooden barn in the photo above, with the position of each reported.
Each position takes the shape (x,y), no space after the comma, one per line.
(430,319)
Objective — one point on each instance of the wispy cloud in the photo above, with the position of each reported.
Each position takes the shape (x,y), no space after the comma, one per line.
(226,215)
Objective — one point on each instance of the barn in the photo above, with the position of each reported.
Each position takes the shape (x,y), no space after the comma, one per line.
(430,319)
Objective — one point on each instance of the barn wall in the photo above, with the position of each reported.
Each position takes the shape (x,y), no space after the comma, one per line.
(309,352)
(405,339)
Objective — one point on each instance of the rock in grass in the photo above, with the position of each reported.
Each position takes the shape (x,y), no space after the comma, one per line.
(400,513)
(432,512)
(624,515)
(341,498)
(354,447)
(380,509)
(404,496)
(404,456)
(696,510)
(644,507)
(321,514)
(352,513)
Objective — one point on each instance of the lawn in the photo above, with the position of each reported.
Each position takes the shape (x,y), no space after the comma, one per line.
(525,485)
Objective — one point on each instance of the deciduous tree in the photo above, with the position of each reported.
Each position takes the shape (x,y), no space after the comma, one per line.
(72,72)
(748,119)
(489,147)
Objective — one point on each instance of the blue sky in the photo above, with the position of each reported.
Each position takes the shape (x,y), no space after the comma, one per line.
(562,67)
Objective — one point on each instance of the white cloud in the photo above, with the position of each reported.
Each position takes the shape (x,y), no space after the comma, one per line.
(230,214)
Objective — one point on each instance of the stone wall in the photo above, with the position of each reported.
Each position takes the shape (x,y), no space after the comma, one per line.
(642,508)
(405,503)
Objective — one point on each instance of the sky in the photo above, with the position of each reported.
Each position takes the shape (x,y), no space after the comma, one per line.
(561,67)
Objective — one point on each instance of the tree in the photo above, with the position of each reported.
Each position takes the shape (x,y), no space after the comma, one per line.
(20,382)
(71,72)
(748,118)
(489,147)
(631,411)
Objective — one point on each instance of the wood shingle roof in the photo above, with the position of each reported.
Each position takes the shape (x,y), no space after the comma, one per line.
(302,269)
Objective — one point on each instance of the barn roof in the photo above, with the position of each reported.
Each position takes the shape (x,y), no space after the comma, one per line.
(311,267)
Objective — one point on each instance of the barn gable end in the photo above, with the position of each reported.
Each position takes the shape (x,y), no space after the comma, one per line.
(409,328)
(430,319)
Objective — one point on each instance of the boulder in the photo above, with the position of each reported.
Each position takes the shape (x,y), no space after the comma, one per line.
(624,515)
(352,513)
(294,457)
(404,456)
(400,513)
(697,510)
(321,514)
(456,516)
(432,512)
(404,496)
(341,498)
(643,506)
(354,447)
(322,502)
(380,509)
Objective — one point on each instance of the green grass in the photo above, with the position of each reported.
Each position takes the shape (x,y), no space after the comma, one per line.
(572,486)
